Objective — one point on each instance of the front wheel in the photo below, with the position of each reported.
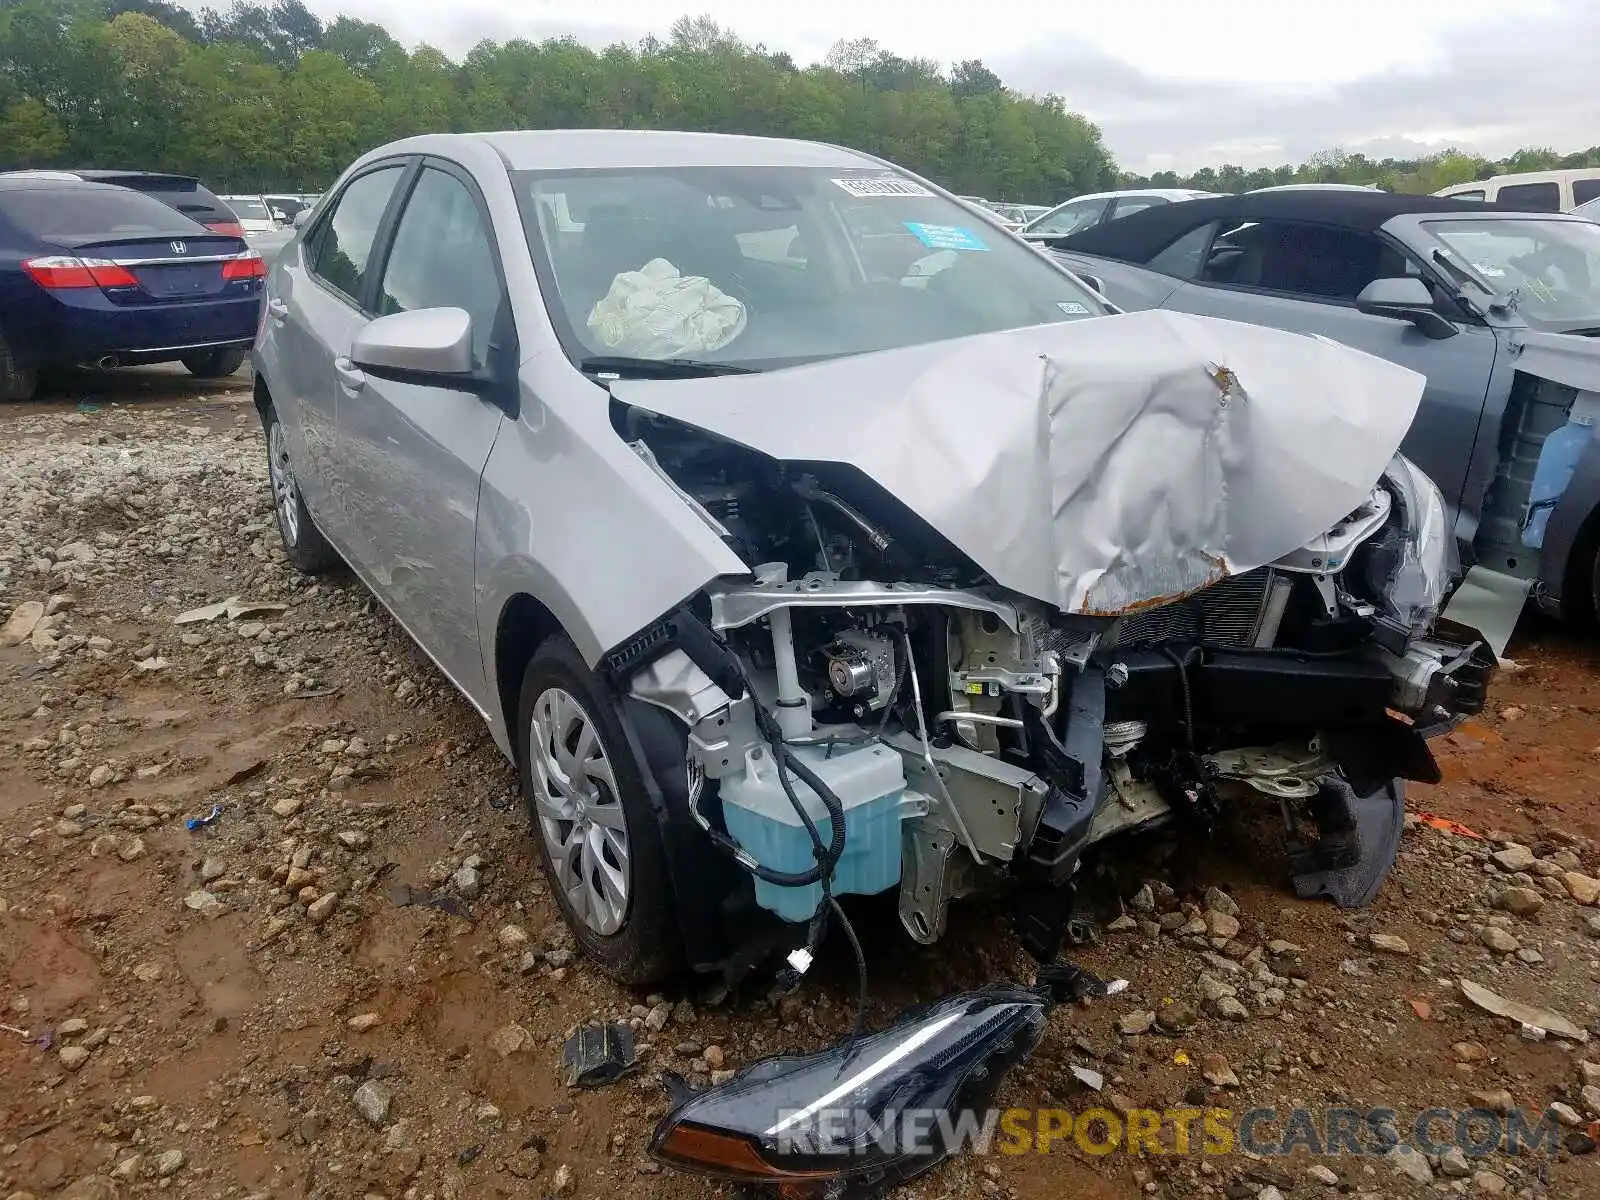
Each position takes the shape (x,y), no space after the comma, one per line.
(598,840)
(303,542)
(214,364)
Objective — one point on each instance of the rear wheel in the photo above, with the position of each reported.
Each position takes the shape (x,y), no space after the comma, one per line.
(16,382)
(303,542)
(598,840)
(214,364)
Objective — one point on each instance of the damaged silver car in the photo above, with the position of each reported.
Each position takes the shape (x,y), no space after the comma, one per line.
(799,535)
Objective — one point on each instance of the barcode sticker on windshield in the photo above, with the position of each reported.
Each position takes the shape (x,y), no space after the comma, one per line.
(874,187)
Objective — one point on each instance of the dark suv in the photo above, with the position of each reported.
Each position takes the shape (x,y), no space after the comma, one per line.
(182,192)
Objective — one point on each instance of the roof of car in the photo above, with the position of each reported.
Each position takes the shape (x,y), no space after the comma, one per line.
(555,149)
(52,181)
(1141,235)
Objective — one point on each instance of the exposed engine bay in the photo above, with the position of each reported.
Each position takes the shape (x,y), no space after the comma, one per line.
(870,711)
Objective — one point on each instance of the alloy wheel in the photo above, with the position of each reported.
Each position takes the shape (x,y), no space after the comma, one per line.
(578,810)
(285,495)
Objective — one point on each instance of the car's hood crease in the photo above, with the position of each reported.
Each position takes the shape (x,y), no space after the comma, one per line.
(1094,465)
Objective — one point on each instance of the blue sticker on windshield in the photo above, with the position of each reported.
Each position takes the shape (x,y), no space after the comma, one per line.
(945,237)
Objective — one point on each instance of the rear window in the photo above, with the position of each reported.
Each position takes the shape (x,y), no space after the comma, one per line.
(249,208)
(185,195)
(1585,190)
(77,214)
(1530,197)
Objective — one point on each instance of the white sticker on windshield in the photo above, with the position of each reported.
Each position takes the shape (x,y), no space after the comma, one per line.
(1073,308)
(874,187)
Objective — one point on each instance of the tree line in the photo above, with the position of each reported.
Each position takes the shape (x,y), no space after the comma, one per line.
(1423,175)
(267,96)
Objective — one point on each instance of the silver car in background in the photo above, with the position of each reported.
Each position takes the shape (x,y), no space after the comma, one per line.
(796,533)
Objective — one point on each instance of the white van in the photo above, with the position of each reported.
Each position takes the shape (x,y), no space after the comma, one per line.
(1533,191)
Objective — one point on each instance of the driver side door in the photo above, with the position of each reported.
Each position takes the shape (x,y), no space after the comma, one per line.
(415,452)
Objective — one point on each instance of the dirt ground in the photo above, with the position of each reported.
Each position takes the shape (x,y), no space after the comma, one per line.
(253,1007)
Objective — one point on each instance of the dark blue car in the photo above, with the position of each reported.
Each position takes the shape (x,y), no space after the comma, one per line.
(95,274)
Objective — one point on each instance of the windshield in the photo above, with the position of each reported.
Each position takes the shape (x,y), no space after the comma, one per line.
(1552,266)
(759,266)
(249,208)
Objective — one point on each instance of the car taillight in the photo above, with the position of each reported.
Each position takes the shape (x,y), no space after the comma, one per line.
(59,271)
(230,228)
(248,265)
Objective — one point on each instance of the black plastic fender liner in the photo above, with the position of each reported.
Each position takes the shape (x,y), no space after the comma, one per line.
(1379,817)
(723,929)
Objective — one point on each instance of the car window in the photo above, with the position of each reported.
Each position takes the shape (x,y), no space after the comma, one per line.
(1585,190)
(91,212)
(769,265)
(345,241)
(1182,257)
(1321,262)
(1069,218)
(1530,197)
(1129,205)
(1475,194)
(443,257)
(1551,265)
(249,208)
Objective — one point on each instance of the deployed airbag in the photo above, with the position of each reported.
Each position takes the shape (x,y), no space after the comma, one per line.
(656,312)
(1096,465)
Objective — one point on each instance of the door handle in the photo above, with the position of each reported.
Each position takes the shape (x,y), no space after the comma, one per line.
(351,378)
(278,310)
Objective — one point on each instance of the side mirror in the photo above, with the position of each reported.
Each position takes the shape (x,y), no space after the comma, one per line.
(430,347)
(1094,281)
(300,218)
(1405,299)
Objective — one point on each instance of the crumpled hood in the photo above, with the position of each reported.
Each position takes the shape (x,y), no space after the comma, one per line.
(1096,465)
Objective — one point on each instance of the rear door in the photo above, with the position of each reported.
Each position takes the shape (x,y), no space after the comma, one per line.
(412,455)
(1304,277)
(314,312)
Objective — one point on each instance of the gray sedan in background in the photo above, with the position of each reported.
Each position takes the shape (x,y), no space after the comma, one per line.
(1499,309)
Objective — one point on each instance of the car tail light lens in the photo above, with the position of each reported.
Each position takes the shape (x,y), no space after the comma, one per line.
(60,271)
(230,228)
(249,265)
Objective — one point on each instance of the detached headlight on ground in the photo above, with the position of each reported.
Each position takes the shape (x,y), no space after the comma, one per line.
(870,1112)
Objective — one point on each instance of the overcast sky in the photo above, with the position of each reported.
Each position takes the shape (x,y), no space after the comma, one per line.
(1172,83)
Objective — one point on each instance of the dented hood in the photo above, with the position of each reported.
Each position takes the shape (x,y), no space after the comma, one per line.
(1096,465)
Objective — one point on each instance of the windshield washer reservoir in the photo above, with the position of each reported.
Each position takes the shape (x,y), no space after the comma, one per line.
(870,782)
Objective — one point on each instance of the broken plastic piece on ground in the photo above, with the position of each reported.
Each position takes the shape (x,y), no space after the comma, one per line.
(233,608)
(194,823)
(1090,1079)
(1523,1014)
(1065,982)
(598,1055)
(1446,825)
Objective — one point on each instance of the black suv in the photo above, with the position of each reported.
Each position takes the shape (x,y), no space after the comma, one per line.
(182,192)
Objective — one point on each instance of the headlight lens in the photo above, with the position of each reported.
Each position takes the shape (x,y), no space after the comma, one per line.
(886,1106)
(1419,563)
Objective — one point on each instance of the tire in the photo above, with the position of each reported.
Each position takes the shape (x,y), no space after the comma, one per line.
(214,364)
(16,382)
(303,542)
(630,930)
